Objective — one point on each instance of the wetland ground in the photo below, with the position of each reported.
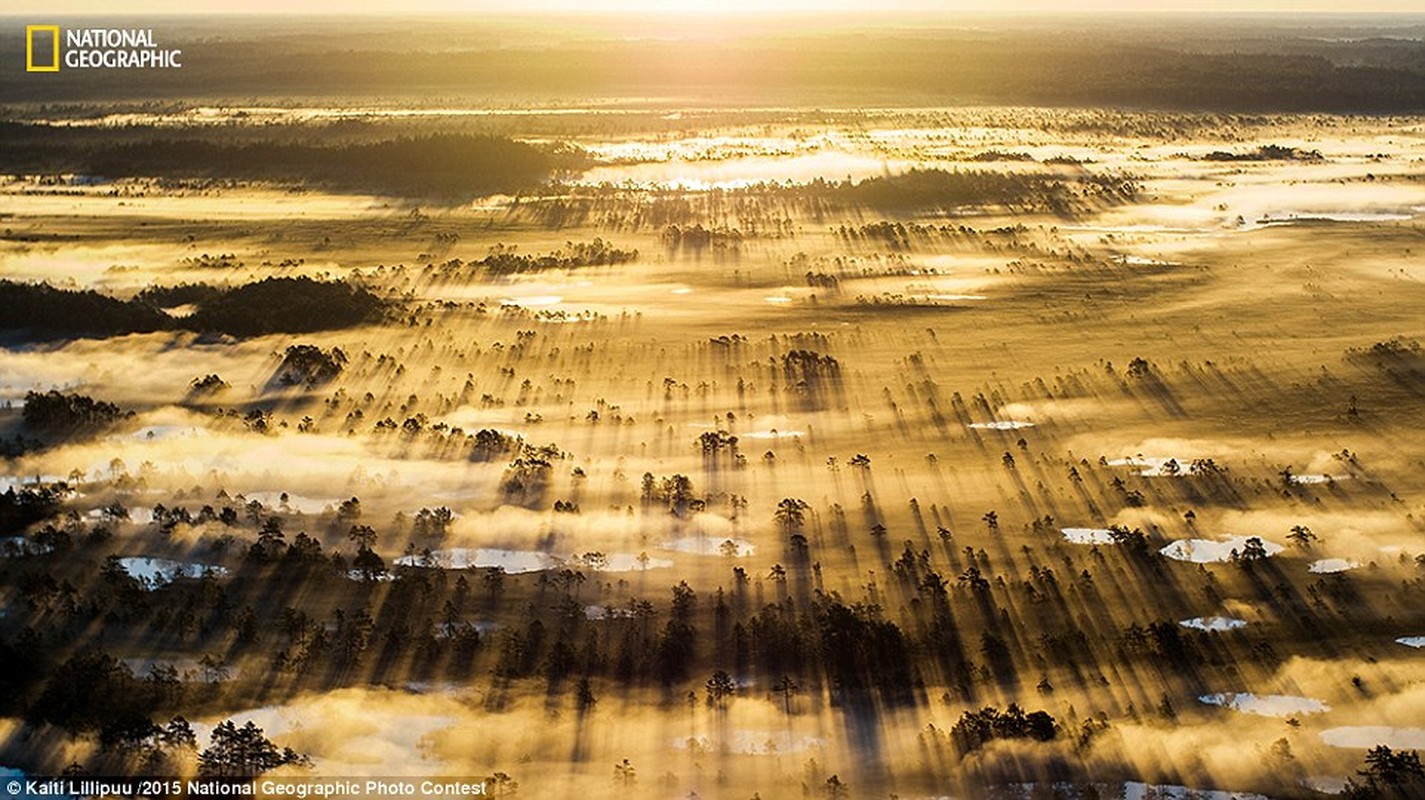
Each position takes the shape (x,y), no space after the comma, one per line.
(660,448)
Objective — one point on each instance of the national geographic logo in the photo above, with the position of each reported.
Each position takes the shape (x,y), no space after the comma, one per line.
(45,56)
(95,48)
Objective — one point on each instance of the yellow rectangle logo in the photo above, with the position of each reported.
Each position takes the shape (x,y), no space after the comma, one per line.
(30,65)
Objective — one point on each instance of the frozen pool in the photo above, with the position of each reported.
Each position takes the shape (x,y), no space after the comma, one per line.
(513,561)
(153,573)
(1312,479)
(607,612)
(1209,551)
(1088,535)
(621,562)
(1329,565)
(14,546)
(519,561)
(18,482)
(447,630)
(1133,790)
(1156,466)
(710,546)
(1266,705)
(358,575)
(1214,624)
(1142,261)
(1368,736)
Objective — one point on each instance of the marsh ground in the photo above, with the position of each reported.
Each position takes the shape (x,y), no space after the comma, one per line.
(1227,350)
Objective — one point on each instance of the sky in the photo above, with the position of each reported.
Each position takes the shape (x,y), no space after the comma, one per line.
(702,7)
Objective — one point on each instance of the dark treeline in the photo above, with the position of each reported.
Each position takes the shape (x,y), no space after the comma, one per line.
(1105,67)
(177,295)
(309,364)
(504,260)
(944,189)
(434,165)
(60,412)
(286,305)
(272,305)
(25,507)
(677,212)
(1266,152)
(95,694)
(42,309)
